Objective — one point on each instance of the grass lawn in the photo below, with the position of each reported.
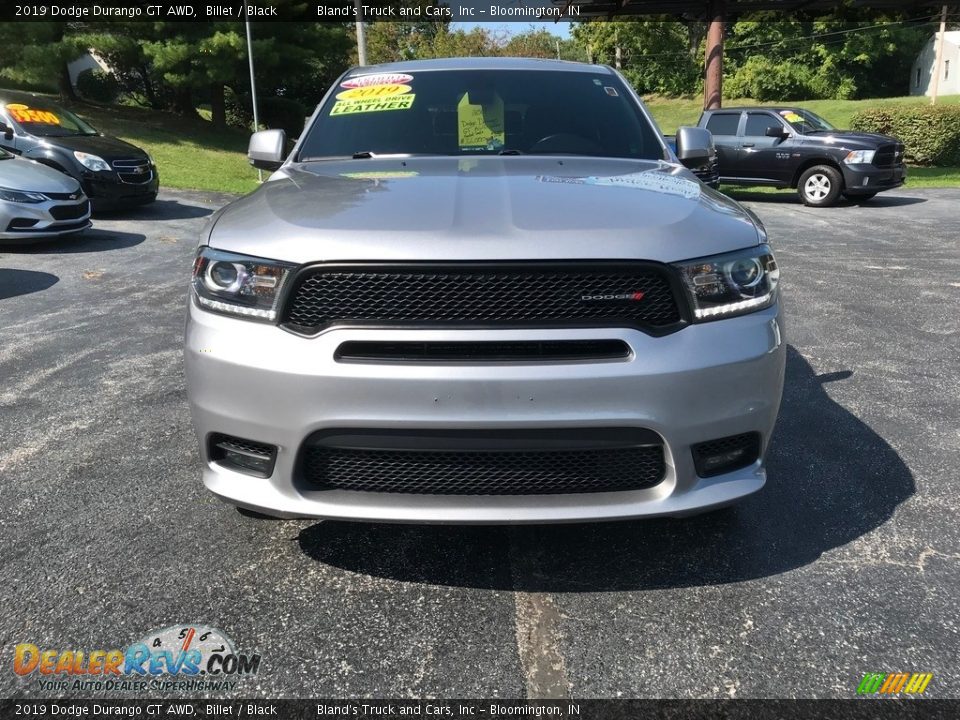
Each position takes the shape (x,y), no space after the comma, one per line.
(190,153)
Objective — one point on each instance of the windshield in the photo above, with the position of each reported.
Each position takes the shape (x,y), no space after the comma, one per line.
(804,121)
(48,120)
(482,112)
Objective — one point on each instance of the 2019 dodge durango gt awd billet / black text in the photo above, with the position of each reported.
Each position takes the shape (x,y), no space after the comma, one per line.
(483,291)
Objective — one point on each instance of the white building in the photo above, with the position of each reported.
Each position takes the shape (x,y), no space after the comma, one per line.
(921,75)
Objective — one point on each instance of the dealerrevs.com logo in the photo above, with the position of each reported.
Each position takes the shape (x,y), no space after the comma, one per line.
(179,657)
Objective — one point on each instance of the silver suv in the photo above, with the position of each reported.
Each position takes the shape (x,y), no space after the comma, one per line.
(483,291)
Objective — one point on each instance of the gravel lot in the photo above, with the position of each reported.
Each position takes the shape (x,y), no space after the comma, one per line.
(846,563)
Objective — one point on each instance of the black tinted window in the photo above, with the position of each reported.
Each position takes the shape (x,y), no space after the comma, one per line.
(724,123)
(757,124)
(469,112)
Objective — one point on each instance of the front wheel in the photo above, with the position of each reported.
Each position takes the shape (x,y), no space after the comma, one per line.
(820,186)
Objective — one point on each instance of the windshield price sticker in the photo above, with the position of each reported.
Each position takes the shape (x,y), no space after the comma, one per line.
(480,127)
(791,116)
(394,102)
(24,114)
(378,79)
(372,92)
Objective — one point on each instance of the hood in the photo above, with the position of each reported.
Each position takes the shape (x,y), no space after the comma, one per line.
(483,208)
(850,138)
(19,174)
(109,148)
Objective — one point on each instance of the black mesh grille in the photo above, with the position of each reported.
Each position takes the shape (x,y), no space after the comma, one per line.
(730,446)
(69,212)
(484,473)
(228,442)
(625,294)
(482,351)
(246,456)
(888,155)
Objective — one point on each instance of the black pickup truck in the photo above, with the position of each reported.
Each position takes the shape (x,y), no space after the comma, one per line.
(789,147)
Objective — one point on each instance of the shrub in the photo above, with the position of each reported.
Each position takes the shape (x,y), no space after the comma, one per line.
(930,133)
(283,113)
(275,112)
(98,86)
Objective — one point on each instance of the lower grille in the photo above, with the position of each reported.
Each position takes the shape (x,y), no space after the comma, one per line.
(513,471)
(69,212)
(605,294)
(479,352)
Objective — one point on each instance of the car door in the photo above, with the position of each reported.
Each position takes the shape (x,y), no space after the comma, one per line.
(761,157)
(724,126)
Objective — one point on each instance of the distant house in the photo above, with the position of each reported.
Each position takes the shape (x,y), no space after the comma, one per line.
(921,74)
(88,61)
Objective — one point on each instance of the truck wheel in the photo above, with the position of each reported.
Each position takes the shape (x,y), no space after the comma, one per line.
(820,186)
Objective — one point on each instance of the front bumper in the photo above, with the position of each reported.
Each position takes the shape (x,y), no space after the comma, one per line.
(107,192)
(26,222)
(867,179)
(259,382)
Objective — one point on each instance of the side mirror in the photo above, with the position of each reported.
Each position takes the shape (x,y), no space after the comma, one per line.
(6,130)
(776,132)
(694,146)
(266,149)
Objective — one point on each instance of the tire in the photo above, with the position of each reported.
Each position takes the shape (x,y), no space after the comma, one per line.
(820,186)
(859,198)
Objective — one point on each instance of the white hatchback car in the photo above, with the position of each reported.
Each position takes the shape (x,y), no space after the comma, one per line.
(38,202)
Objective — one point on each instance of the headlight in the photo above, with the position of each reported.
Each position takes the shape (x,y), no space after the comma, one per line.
(21,196)
(733,284)
(859,157)
(91,162)
(239,284)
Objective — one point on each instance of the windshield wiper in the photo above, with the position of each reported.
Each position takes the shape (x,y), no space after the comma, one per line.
(510,151)
(362,155)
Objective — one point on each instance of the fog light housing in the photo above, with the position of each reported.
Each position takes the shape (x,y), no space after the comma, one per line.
(726,454)
(245,456)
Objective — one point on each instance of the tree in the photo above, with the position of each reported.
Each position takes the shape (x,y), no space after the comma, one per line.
(656,56)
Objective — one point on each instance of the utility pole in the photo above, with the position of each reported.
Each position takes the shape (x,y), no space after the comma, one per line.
(361,34)
(713,70)
(938,62)
(253,83)
(558,48)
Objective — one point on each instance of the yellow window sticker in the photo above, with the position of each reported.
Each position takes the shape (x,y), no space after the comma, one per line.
(25,114)
(791,116)
(480,127)
(371,92)
(391,102)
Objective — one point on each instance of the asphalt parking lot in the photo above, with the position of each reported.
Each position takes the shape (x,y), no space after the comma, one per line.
(848,562)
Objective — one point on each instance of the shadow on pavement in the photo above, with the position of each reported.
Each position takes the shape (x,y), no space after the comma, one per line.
(789,197)
(93,240)
(24,282)
(831,480)
(158,210)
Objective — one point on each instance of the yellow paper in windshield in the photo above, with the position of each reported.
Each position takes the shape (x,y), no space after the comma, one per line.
(792,116)
(480,127)
(26,114)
